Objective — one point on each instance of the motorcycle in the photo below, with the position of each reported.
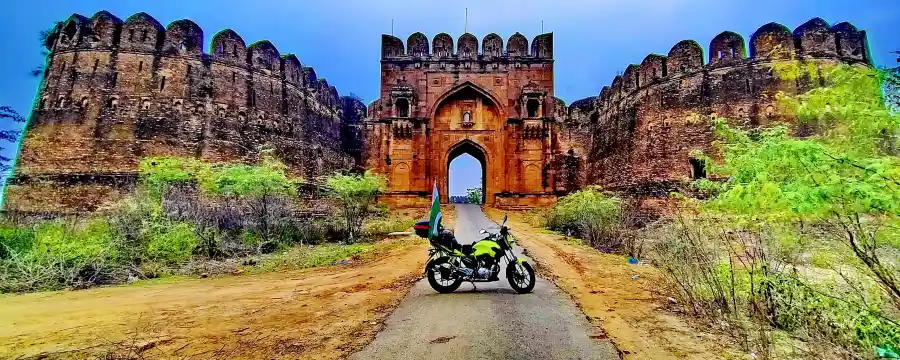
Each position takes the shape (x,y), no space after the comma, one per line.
(450,263)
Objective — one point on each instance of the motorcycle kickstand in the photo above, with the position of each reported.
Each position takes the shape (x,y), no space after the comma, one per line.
(473,285)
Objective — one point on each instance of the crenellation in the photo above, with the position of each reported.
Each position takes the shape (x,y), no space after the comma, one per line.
(653,116)
(118,91)
(726,49)
(815,38)
(772,41)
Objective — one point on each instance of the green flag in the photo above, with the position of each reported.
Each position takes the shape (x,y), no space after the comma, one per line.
(434,219)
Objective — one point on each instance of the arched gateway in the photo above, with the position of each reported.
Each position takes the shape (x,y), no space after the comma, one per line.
(498,107)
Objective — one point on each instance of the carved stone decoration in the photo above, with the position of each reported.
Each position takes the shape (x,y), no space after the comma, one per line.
(402,129)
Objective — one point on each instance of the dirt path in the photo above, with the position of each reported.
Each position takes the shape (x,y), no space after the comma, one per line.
(492,322)
(323,313)
(627,310)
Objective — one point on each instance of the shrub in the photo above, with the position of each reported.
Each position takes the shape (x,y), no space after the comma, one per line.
(63,253)
(592,215)
(355,194)
(15,239)
(172,244)
(76,241)
(740,258)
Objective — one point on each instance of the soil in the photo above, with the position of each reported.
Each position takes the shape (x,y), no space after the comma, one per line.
(324,313)
(618,297)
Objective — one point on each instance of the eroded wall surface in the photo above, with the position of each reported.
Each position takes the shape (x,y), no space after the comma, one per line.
(117,91)
(641,133)
(443,98)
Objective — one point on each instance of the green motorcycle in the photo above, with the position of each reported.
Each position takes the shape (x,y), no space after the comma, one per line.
(450,263)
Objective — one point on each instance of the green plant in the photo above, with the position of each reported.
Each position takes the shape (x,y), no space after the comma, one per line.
(594,216)
(355,194)
(787,194)
(172,243)
(474,196)
(15,239)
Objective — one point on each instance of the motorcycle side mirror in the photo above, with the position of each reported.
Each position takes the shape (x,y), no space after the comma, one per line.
(505,217)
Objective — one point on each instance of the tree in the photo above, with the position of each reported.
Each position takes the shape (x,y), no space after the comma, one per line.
(11,117)
(355,194)
(473,195)
(845,179)
(265,186)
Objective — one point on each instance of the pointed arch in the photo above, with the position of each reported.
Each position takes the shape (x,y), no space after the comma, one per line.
(477,151)
(468,85)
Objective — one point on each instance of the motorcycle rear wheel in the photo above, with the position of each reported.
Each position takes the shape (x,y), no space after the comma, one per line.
(442,285)
(521,277)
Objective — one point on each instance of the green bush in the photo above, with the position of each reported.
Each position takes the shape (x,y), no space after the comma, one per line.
(798,236)
(75,242)
(172,244)
(62,253)
(592,215)
(355,194)
(15,239)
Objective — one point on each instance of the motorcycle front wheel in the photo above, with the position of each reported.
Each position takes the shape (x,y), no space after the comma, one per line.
(441,277)
(521,277)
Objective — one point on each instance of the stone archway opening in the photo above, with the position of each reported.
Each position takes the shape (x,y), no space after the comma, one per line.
(466,168)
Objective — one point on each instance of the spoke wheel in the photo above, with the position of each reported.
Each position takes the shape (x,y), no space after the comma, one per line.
(521,277)
(441,277)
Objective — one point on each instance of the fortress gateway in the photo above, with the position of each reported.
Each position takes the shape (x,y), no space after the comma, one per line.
(116,91)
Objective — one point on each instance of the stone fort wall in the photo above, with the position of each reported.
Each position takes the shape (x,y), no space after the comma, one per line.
(117,91)
(638,135)
(441,97)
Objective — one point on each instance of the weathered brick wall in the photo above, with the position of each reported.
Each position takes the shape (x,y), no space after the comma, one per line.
(638,135)
(428,91)
(115,92)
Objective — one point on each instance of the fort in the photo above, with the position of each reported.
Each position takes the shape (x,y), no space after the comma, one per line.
(114,92)
(639,135)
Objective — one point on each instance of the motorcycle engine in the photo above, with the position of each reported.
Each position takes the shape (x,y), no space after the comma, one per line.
(484,272)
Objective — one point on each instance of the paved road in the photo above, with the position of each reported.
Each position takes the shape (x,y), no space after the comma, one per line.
(492,322)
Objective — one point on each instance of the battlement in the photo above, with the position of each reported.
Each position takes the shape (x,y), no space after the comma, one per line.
(644,127)
(116,91)
(815,39)
(442,49)
(183,39)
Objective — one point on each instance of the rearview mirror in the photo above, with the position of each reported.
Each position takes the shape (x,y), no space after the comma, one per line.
(505,217)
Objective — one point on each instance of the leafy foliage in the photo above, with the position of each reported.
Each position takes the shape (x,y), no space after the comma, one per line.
(7,114)
(355,194)
(474,196)
(831,195)
(186,214)
(592,215)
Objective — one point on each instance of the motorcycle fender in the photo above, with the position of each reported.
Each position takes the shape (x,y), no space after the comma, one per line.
(431,260)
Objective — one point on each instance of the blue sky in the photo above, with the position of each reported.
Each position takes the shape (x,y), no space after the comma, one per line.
(593,39)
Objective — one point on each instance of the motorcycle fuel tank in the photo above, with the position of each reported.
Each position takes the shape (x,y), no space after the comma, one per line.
(485,247)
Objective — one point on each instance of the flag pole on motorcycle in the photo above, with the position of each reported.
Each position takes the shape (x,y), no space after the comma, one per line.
(434,219)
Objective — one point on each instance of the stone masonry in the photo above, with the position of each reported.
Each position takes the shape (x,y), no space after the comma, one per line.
(436,104)
(638,136)
(115,92)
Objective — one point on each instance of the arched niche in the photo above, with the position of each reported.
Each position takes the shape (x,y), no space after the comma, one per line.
(485,112)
